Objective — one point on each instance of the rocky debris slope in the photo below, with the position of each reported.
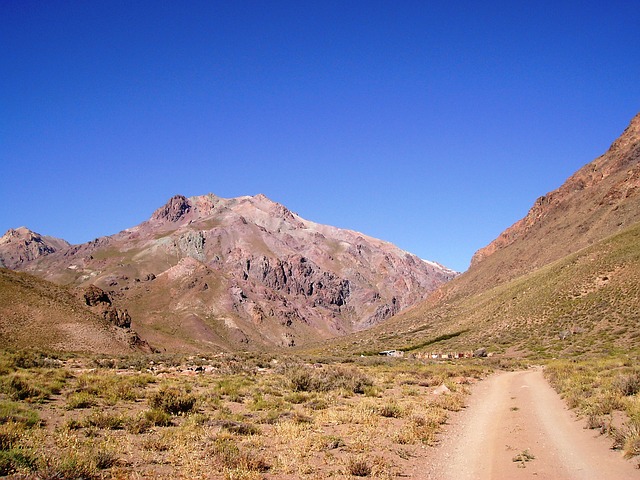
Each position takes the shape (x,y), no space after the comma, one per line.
(210,272)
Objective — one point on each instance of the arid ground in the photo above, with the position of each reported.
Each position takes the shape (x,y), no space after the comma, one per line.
(515,427)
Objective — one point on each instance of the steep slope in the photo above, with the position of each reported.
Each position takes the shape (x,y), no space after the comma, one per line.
(587,302)
(209,272)
(600,199)
(565,279)
(35,313)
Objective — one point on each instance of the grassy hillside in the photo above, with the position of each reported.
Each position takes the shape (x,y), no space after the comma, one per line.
(585,303)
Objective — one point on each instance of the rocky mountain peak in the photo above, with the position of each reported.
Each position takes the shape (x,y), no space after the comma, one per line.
(21,245)
(173,210)
(245,270)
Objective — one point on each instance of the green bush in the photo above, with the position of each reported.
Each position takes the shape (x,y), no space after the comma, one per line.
(16,459)
(80,400)
(157,417)
(307,379)
(172,400)
(16,413)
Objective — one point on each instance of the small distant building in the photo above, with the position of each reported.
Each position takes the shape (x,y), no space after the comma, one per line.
(391,353)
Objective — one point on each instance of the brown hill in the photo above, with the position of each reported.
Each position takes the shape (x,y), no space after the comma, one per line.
(21,245)
(600,199)
(564,279)
(208,273)
(35,313)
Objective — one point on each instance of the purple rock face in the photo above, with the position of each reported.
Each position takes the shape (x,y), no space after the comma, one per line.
(240,272)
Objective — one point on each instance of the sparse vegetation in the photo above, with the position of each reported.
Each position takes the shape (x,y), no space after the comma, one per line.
(522,458)
(251,417)
(603,390)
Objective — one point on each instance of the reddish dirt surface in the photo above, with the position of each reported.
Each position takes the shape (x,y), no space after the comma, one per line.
(516,412)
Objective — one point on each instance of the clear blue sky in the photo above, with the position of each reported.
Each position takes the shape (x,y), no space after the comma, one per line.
(431,124)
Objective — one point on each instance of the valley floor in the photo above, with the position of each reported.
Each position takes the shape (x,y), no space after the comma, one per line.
(515,427)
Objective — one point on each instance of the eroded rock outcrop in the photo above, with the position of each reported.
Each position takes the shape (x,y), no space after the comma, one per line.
(101,303)
(299,276)
(173,210)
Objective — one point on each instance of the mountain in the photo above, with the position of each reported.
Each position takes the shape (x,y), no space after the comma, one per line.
(212,273)
(21,246)
(35,313)
(563,280)
(600,199)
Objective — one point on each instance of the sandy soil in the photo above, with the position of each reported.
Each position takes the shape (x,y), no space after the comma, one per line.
(517,412)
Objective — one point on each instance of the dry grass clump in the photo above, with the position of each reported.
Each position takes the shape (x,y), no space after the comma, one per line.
(228,455)
(358,466)
(105,420)
(325,379)
(626,384)
(172,400)
(33,386)
(597,388)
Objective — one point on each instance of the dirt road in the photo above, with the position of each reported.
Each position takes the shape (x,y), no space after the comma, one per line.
(517,414)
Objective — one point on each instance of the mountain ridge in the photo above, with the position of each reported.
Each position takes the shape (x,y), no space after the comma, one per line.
(612,177)
(562,280)
(210,272)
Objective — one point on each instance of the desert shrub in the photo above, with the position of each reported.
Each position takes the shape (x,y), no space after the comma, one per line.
(34,359)
(306,379)
(105,420)
(302,380)
(21,387)
(157,417)
(72,466)
(631,443)
(172,400)
(9,436)
(73,424)
(595,422)
(234,388)
(259,402)
(297,397)
(33,386)
(157,443)
(330,442)
(80,400)
(349,379)
(112,388)
(358,466)
(390,410)
(15,459)
(229,456)
(103,459)
(317,404)
(240,428)
(627,384)
(16,413)
(454,401)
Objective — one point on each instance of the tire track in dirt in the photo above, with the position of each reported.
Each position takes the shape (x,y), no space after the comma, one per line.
(517,414)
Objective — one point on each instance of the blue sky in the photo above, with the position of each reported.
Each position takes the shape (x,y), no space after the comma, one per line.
(432,124)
